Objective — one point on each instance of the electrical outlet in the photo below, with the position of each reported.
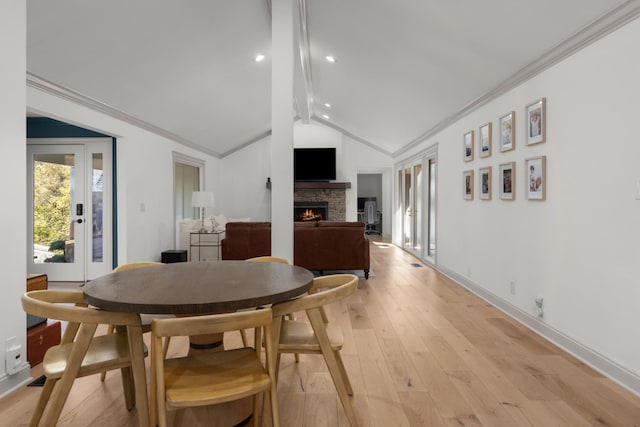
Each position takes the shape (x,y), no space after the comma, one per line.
(512,287)
(13,355)
(540,305)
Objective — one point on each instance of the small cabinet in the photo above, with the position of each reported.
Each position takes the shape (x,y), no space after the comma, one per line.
(205,246)
(40,338)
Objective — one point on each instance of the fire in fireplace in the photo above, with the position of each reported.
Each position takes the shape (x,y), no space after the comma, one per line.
(310,211)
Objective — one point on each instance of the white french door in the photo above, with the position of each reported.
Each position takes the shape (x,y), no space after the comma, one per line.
(412,203)
(69,233)
(416,205)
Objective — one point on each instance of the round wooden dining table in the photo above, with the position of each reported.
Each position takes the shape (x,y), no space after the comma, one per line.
(198,287)
(192,288)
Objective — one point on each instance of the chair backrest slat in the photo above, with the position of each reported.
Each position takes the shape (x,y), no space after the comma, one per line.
(268,258)
(211,324)
(56,304)
(134,265)
(328,289)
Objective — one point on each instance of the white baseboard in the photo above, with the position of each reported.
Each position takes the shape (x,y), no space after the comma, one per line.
(10,383)
(597,361)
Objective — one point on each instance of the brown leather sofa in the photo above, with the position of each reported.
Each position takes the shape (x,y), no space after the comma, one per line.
(318,245)
(245,240)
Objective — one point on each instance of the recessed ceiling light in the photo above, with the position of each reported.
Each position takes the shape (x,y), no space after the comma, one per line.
(325,116)
(326,104)
(259,57)
(330,58)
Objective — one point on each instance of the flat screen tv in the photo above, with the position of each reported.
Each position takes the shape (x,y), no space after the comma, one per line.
(314,164)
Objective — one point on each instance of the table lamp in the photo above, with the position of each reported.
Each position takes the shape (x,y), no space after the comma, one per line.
(202,199)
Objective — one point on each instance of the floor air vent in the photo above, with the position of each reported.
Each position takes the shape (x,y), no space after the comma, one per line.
(415,264)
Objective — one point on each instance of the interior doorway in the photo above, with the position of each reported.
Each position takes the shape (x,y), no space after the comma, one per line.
(188,176)
(370,201)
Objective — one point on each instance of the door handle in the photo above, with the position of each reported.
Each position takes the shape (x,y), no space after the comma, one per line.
(79,220)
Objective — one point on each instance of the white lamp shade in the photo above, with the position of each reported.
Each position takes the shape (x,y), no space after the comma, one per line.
(202,199)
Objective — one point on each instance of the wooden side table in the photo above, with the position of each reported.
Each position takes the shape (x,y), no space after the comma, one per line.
(37,282)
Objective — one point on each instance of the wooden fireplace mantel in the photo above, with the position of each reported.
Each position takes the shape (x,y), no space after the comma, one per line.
(321,185)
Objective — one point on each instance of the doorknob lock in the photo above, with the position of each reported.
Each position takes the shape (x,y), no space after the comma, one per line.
(79,220)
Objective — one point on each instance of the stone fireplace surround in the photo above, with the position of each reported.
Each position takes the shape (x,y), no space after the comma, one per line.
(334,193)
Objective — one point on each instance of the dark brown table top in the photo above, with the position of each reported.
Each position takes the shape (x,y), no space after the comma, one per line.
(198,287)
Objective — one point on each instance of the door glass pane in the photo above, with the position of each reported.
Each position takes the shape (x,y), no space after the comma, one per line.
(417,208)
(398,214)
(186,180)
(432,208)
(53,196)
(407,208)
(97,195)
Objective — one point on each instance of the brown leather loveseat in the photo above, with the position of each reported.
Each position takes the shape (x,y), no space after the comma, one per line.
(318,245)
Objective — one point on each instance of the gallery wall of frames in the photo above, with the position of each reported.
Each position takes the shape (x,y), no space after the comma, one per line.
(533,169)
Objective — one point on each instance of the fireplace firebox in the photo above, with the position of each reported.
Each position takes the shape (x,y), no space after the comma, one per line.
(310,211)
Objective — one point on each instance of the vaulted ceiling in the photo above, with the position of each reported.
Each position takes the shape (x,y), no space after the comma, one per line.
(404,68)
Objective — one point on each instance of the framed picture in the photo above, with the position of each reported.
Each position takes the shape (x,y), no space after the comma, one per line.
(468,146)
(536,122)
(485,140)
(535,170)
(467,184)
(507,181)
(508,131)
(485,183)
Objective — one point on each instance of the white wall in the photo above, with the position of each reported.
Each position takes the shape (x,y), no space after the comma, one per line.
(244,192)
(370,185)
(13,175)
(579,249)
(246,171)
(364,159)
(144,174)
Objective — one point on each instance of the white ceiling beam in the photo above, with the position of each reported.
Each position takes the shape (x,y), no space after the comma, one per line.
(305,63)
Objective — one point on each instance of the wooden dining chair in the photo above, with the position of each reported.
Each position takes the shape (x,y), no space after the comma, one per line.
(210,377)
(279,260)
(318,335)
(145,319)
(80,353)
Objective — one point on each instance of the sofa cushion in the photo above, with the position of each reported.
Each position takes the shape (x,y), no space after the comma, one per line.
(246,240)
(331,245)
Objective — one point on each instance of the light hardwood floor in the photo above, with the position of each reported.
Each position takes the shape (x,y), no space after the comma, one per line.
(420,351)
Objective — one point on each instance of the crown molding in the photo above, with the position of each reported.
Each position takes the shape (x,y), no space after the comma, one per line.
(256,138)
(590,33)
(76,97)
(350,135)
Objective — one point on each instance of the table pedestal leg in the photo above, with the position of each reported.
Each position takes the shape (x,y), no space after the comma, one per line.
(235,413)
